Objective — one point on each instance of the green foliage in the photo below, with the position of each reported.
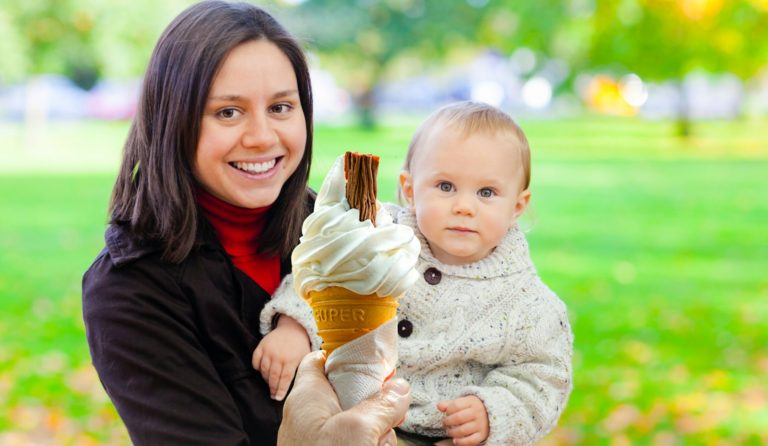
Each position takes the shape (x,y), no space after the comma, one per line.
(656,245)
(13,65)
(59,37)
(377,32)
(83,39)
(508,25)
(662,40)
(365,42)
(361,39)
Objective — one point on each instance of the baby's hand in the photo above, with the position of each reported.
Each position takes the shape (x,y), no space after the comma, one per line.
(278,355)
(466,420)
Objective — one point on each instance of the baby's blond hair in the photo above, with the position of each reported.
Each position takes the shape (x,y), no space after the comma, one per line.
(470,117)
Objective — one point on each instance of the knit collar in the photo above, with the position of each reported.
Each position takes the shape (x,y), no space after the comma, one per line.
(237,228)
(511,256)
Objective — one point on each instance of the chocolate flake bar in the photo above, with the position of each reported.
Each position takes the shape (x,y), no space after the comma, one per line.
(360,171)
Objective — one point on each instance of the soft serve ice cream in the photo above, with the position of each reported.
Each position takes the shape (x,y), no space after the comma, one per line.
(337,249)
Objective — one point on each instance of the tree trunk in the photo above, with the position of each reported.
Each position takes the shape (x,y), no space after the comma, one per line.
(683,123)
(683,126)
(36,100)
(365,100)
(366,109)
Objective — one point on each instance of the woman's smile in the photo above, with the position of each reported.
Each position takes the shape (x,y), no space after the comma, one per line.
(257,169)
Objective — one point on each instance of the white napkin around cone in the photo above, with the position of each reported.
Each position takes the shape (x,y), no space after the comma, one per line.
(358,368)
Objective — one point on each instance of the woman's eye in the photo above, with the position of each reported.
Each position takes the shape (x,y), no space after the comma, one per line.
(486,192)
(228,113)
(445,186)
(281,108)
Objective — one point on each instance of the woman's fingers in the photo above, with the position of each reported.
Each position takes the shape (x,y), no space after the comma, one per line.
(379,413)
(311,380)
(309,406)
(389,439)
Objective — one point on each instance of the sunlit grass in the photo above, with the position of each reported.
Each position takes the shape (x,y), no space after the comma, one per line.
(657,245)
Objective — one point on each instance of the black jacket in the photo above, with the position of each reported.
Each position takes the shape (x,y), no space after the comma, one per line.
(172,343)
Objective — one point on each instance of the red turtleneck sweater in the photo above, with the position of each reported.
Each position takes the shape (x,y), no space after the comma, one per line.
(239,230)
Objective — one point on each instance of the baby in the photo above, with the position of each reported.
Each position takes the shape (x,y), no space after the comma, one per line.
(484,343)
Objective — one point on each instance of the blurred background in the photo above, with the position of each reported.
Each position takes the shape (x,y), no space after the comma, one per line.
(648,123)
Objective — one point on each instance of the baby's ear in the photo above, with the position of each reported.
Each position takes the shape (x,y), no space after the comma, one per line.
(406,188)
(523,200)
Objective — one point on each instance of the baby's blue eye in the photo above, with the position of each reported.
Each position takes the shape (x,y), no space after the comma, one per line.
(485,192)
(445,186)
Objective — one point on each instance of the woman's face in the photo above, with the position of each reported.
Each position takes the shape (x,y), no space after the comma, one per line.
(253,133)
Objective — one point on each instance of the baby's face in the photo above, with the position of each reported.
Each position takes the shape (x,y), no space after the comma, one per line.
(466,192)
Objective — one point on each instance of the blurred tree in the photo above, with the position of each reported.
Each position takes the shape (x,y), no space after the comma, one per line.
(58,38)
(13,64)
(81,39)
(363,38)
(367,41)
(128,31)
(663,40)
(659,40)
(364,41)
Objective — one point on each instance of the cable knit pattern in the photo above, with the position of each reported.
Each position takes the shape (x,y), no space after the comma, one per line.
(286,301)
(490,329)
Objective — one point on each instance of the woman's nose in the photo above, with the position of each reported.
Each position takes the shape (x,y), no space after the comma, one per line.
(259,133)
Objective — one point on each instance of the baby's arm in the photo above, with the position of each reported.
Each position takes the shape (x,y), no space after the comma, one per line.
(280,351)
(526,394)
(285,302)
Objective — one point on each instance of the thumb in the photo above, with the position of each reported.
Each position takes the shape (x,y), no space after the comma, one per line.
(385,410)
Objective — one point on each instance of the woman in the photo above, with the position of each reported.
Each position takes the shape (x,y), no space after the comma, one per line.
(204,214)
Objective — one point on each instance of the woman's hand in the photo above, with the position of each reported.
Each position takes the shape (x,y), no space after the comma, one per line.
(466,420)
(312,414)
(278,355)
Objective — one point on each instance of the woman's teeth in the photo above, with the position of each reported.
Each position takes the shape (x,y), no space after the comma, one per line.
(255,167)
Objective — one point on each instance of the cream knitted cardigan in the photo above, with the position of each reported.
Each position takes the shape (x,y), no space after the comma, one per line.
(490,329)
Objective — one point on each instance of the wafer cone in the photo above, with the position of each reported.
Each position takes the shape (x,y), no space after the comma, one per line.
(342,315)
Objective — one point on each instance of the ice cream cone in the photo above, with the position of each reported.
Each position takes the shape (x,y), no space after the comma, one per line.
(343,315)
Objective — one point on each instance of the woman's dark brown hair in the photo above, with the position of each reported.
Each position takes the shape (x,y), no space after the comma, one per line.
(155,189)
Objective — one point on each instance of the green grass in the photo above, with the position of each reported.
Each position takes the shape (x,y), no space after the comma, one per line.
(658,246)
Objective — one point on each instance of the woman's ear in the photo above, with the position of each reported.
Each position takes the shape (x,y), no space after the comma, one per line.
(523,199)
(406,187)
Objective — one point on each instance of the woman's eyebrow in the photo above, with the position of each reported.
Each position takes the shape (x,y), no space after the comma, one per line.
(285,93)
(226,97)
(237,97)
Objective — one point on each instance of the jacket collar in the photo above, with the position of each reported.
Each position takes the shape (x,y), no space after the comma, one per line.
(124,247)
